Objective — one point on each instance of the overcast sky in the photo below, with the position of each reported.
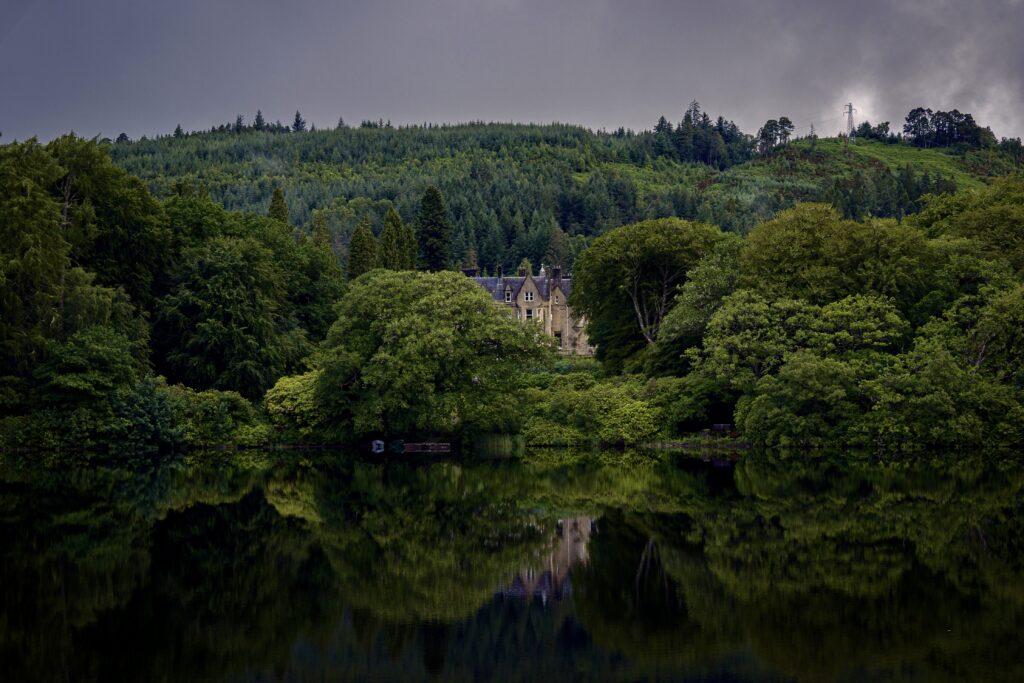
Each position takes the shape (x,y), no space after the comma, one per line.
(142,66)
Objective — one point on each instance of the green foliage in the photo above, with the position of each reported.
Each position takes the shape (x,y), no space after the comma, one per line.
(408,247)
(278,208)
(707,284)
(314,296)
(434,232)
(51,217)
(292,407)
(749,336)
(993,216)
(391,254)
(577,408)
(811,253)
(211,417)
(106,215)
(816,327)
(508,186)
(930,401)
(147,420)
(222,326)
(625,282)
(418,352)
(843,376)
(92,364)
(362,250)
(630,422)
(808,403)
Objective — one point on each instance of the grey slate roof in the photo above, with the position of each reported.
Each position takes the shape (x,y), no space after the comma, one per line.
(496,286)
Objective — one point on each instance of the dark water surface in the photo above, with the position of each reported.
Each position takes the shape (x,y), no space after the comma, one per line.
(621,568)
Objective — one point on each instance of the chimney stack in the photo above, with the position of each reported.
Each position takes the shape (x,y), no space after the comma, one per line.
(498,272)
(556,273)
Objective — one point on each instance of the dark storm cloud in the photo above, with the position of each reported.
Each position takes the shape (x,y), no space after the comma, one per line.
(106,66)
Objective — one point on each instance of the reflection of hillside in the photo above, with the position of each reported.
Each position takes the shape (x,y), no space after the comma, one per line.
(550,579)
(802,571)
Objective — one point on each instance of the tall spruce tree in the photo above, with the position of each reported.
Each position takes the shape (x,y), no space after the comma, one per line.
(389,252)
(434,231)
(362,250)
(278,207)
(299,124)
(408,247)
(259,123)
(321,233)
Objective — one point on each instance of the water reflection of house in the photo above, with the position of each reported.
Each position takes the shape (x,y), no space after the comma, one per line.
(551,577)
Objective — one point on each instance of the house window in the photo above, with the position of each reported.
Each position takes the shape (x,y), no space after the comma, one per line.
(529,296)
(508,296)
(558,299)
(529,314)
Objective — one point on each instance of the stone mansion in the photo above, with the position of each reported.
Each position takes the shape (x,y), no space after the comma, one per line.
(543,299)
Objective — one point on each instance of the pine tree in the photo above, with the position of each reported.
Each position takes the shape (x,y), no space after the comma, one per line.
(299,124)
(259,123)
(362,250)
(278,207)
(389,251)
(239,123)
(408,247)
(434,231)
(321,233)
(558,248)
(178,132)
(471,260)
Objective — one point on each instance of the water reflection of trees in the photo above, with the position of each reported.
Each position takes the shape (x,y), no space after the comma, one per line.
(816,571)
(827,571)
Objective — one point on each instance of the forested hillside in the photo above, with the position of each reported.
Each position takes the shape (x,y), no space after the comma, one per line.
(541,192)
(139,308)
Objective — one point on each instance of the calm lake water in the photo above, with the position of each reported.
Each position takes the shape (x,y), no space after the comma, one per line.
(324,567)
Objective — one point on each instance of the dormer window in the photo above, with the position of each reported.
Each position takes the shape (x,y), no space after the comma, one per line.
(529,296)
(508,296)
(558,299)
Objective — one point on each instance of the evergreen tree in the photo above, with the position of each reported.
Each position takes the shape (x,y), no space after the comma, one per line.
(408,247)
(471,261)
(239,123)
(259,123)
(323,283)
(178,132)
(362,250)
(558,248)
(389,252)
(434,231)
(299,124)
(321,233)
(278,207)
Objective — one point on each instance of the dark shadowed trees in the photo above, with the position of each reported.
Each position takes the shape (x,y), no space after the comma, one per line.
(434,232)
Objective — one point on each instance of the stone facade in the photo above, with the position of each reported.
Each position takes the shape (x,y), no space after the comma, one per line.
(543,299)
